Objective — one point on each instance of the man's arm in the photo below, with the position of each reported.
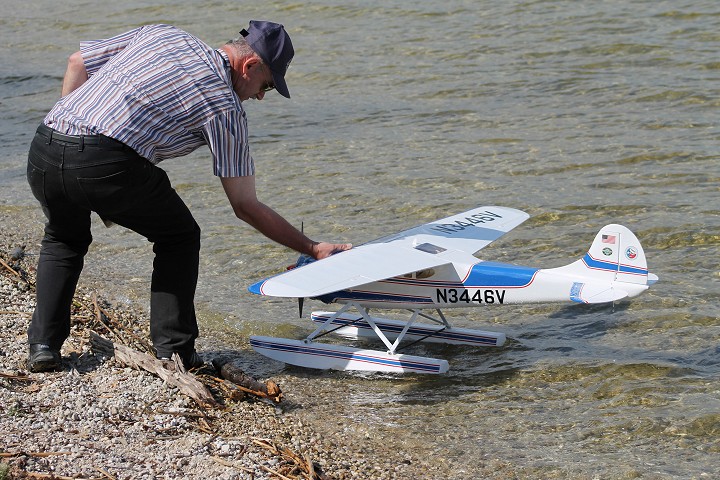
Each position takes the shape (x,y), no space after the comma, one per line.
(243,198)
(75,75)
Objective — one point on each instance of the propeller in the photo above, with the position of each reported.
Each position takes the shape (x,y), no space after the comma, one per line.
(302,260)
(301,300)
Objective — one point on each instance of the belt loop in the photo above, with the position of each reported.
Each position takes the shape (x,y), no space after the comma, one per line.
(49,140)
(81,145)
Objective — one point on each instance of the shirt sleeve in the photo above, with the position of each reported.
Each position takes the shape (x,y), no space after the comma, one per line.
(226,135)
(96,53)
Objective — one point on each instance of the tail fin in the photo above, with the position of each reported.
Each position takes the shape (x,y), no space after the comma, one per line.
(615,267)
(616,252)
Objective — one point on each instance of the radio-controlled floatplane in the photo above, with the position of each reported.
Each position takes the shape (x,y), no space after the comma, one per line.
(433,267)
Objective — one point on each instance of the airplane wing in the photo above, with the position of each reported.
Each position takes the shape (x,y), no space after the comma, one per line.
(449,240)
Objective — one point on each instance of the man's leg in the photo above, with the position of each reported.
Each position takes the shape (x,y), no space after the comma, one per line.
(154,210)
(66,241)
(61,260)
(112,180)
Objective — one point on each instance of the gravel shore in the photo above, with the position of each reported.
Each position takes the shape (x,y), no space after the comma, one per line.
(102,420)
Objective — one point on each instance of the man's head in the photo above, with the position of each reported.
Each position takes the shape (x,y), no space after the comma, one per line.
(272,44)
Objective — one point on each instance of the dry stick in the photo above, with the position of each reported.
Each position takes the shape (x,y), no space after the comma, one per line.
(140,341)
(52,476)
(10,269)
(33,454)
(205,427)
(305,464)
(105,473)
(108,325)
(186,382)
(11,376)
(182,414)
(310,467)
(270,470)
(266,445)
(224,462)
(15,312)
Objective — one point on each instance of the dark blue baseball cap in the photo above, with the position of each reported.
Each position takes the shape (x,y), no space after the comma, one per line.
(272,43)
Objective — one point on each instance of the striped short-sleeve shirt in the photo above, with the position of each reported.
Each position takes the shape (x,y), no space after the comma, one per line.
(162,92)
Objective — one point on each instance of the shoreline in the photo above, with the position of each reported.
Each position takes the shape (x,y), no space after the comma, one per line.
(99,419)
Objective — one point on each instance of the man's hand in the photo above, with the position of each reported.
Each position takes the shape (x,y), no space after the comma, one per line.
(323,249)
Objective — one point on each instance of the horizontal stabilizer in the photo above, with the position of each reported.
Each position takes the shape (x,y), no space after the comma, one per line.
(597,294)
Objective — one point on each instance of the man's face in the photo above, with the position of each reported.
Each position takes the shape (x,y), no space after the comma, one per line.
(254,80)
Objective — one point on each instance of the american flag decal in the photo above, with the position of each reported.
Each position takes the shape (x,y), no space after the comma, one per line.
(608,239)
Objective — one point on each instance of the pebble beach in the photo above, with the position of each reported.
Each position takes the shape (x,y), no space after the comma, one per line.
(98,419)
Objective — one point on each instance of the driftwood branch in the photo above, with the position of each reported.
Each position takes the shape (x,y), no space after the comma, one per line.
(168,371)
(245,382)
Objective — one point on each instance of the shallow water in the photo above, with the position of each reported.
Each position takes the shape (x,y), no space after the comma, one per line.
(580,113)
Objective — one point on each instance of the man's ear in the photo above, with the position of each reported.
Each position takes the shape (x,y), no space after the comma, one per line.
(249,63)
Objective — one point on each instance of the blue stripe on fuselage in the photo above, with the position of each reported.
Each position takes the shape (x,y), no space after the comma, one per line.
(495,274)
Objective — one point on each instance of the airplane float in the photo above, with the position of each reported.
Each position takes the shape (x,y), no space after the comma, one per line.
(434,267)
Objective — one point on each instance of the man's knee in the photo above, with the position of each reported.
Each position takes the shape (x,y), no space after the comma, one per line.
(187,241)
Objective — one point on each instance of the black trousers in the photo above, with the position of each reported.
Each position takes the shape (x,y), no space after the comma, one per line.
(72,176)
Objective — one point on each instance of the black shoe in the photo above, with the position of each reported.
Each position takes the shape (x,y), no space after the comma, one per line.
(42,358)
(191,360)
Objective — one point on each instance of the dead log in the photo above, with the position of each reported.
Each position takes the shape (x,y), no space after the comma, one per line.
(235,374)
(168,371)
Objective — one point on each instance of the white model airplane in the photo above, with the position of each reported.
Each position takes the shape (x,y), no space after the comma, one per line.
(432,267)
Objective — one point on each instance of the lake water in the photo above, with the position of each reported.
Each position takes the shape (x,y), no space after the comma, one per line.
(580,113)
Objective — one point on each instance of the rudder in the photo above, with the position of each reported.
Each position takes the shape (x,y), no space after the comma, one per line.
(617,251)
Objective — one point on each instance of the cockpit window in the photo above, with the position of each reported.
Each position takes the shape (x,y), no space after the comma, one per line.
(430,248)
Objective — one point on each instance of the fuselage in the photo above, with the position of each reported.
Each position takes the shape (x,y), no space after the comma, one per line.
(484,283)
